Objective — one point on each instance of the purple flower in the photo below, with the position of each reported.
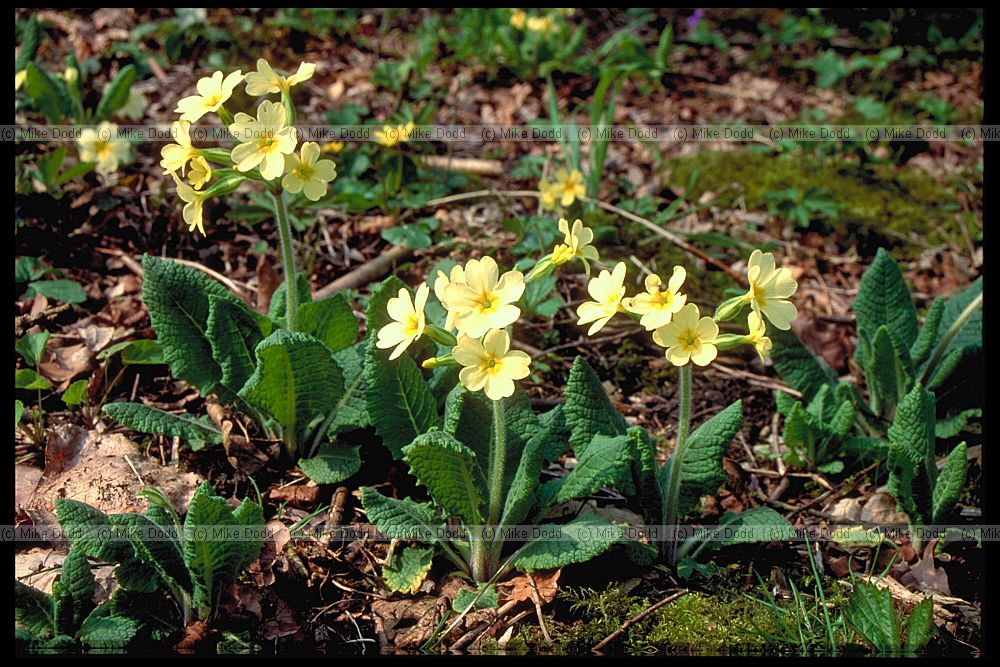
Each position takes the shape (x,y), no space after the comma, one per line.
(693,20)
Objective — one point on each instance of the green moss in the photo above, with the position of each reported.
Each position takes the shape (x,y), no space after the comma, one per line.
(885,201)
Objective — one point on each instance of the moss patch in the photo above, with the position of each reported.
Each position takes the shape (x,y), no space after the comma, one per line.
(884,201)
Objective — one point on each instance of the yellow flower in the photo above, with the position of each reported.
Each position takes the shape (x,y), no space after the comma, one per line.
(102,147)
(608,289)
(390,135)
(176,156)
(194,205)
(548,198)
(408,321)
(576,244)
(308,173)
(333,146)
(688,337)
(770,289)
(213,92)
(757,336)
(518,18)
(568,186)
(490,364)
(540,24)
(655,305)
(484,301)
(19,79)
(201,173)
(457,276)
(265,80)
(134,107)
(264,140)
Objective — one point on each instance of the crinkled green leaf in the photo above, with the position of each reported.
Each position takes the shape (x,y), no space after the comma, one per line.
(407,569)
(871,614)
(588,410)
(399,401)
(761,524)
(296,381)
(920,626)
(332,464)
(176,297)
(702,471)
(234,332)
(195,431)
(249,515)
(212,560)
(606,461)
(393,516)
(449,471)
(277,307)
(165,556)
(136,575)
(881,374)
(330,320)
(80,522)
(521,494)
(797,366)
(971,333)
(924,344)
(950,483)
(884,299)
(583,538)
(34,609)
(912,470)
(469,417)
(76,588)
(108,632)
(351,411)
(487,598)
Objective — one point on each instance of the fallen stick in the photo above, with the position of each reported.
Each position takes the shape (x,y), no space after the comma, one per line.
(365,273)
(635,619)
(24,322)
(469,165)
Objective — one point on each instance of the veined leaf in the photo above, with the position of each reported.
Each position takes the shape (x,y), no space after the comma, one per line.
(48,93)
(583,538)
(74,592)
(449,471)
(80,522)
(34,609)
(884,299)
(399,401)
(588,410)
(296,380)
(949,484)
(332,464)
(871,613)
(164,556)
(177,300)
(108,632)
(924,345)
(211,558)
(797,366)
(115,94)
(605,462)
(920,626)
(407,569)
(393,517)
(276,308)
(234,332)
(330,320)
(145,419)
(351,411)
(912,469)
(953,425)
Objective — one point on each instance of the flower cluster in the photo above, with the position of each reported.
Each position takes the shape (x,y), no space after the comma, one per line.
(679,326)
(265,142)
(481,302)
(103,147)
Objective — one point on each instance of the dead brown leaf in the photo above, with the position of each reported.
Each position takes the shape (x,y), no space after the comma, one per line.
(535,586)
(262,569)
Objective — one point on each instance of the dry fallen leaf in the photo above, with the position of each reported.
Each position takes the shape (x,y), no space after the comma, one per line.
(534,586)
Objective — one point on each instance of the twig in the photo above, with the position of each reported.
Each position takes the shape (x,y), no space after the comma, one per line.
(635,619)
(365,273)
(24,322)
(129,461)
(466,164)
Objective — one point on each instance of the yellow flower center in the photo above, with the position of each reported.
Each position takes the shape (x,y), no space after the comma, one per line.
(412,326)
(662,299)
(689,340)
(561,254)
(213,100)
(304,171)
(267,145)
(759,295)
(492,365)
(614,299)
(102,148)
(487,303)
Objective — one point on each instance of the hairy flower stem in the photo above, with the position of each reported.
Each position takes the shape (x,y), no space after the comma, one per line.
(486,549)
(670,516)
(287,262)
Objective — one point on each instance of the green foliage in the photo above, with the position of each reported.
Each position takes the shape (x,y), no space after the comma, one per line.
(196,432)
(156,555)
(833,421)
(407,569)
(920,491)
(803,208)
(872,614)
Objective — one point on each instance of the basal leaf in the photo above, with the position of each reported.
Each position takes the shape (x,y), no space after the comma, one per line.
(81,524)
(210,557)
(399,401)
(177,298)
(295,382)
(588,410)
(449,471)
(920,626)
(797,366)
(330,320)
(351,411)
(583,538)
(884,299)
(197,432)
(234,332)
(332,464)
(115,93)
(108,632)
(606,461)
(950,483)
(393,517)
(276,308)
(955,424)
(33,609)
(912,469)
(871,613)
(408,568)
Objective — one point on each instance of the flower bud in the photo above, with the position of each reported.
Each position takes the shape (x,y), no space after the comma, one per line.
(730,308)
